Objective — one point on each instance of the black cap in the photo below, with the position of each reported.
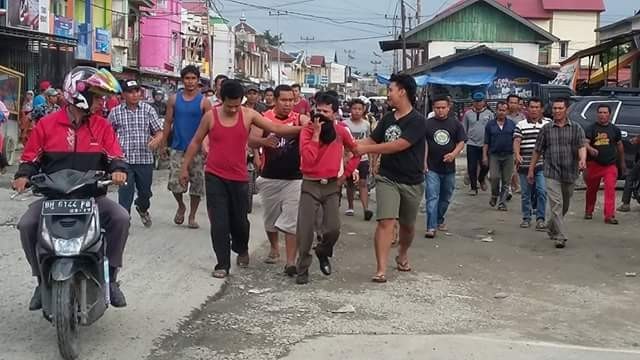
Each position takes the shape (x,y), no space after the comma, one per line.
(130,85)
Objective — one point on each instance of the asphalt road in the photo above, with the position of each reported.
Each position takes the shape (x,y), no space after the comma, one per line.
(166,276)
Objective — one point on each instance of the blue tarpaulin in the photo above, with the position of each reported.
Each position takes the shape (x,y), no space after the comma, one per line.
(455,75)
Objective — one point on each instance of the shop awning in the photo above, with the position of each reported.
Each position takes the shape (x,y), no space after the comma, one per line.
(460,75)
(35,35)
(456,75)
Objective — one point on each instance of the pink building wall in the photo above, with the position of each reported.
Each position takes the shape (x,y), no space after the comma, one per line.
(156,36)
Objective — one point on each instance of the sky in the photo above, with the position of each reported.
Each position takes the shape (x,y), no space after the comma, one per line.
(350,28)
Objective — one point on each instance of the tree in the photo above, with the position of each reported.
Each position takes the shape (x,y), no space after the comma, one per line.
(273,40)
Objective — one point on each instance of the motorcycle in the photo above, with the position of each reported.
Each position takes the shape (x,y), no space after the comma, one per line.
(71,253)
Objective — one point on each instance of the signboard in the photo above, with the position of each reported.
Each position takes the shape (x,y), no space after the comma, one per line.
(43,13)
(103,41)
(84,48)
(567,75)
(311,79)
(24,14)
(63,26)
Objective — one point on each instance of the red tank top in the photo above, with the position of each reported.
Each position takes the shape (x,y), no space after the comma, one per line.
(227,157)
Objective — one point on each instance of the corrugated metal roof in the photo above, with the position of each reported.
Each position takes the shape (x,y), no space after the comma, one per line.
(574,5)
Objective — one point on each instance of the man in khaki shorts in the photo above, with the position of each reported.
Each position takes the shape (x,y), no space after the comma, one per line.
(281,178)
(184,112)
(400,138)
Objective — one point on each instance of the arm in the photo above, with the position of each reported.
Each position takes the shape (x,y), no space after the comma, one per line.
(155,129)
(256,140)
(168,119)
(620,148)
(393,147)
(517,141)
(461,138)
(194,146)
(113,151)
(582,149)
(309,145)
(350,144)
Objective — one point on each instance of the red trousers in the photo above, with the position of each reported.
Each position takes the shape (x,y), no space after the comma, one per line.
(594,175)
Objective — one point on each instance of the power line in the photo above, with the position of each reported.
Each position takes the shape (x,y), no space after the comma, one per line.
(336,40)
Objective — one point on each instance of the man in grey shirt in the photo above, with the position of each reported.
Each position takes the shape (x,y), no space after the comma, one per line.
(474,122)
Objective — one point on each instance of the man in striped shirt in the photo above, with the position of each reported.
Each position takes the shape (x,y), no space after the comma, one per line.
(524,142)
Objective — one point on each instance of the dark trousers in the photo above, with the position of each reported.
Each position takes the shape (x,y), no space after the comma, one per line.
(318,208)
(632,176)
(227,207)
(474,159)
(139,178)
(113,219)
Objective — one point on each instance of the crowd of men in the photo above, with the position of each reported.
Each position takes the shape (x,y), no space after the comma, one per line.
(306,154)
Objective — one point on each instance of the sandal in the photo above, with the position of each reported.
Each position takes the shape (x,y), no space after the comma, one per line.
(193,225)
(179,218)
(272,259)
(220,273)
(380,279)
(243,260)
(402,266)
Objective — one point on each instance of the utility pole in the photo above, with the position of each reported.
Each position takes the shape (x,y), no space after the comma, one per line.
(394,19)
(210,35)
(277,14)
(306,40)
(404,40)
(418,11)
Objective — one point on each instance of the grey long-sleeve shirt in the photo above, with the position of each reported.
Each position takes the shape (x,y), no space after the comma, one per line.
(474,125)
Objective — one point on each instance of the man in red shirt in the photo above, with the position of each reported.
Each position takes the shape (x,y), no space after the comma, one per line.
(300,104)
(281,178)
(226,178)
(322,145)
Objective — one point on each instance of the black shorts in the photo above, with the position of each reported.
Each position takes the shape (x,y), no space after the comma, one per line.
(363,171)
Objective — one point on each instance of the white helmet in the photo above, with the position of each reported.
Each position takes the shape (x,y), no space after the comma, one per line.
(83,82)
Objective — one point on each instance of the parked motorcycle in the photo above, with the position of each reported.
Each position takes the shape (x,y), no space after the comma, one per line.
(71,253)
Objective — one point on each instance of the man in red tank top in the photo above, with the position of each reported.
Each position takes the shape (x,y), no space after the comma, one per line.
(322,146)
(280,181)
(226,179)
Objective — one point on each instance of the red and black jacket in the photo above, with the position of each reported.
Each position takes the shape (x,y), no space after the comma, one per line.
(56,144)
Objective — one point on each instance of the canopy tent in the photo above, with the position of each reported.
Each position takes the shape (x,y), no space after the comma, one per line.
(455,75)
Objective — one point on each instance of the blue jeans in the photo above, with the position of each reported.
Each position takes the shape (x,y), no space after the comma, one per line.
(439,189)
(140,178)
(541,195)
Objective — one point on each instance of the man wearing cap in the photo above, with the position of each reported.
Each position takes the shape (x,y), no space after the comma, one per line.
(50,106)
(253,99)
(139,131)
(475,121)
(41,99)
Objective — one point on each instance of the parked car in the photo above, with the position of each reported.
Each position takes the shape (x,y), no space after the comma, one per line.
(625,113)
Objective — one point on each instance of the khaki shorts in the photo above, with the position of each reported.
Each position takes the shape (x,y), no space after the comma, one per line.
(280,201)
(196,174)
(398,201)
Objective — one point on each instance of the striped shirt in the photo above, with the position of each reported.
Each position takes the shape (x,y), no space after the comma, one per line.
(559,146)
(528,133)
(135,129)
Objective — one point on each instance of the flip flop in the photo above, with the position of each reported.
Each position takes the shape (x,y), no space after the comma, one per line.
(379,279)
(179,218)
(220,274)
(272,259)
(402,266)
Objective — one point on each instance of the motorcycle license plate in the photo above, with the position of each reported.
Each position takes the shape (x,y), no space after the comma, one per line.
(67,207)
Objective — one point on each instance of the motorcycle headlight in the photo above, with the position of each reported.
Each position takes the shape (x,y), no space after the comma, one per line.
(68,247)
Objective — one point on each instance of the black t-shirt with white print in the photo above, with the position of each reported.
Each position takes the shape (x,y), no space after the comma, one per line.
(442,138)
(407,166)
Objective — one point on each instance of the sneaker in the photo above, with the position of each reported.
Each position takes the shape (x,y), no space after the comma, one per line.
(624,208)
(116,295)
(368,215)
(145,217)
(541,226)
(588,216)
(502,207)
(611,221)
(561,244)
(473,192)
(430,234)
(36,300)
(349,212)
(525,224)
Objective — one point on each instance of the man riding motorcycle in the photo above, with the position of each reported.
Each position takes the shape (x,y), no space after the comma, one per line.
(77,138)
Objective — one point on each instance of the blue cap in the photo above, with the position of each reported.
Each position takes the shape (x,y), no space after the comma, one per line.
(478,96)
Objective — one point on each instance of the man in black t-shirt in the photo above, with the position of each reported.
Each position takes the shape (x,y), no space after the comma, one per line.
(400,138)
(445,141)
(606,153)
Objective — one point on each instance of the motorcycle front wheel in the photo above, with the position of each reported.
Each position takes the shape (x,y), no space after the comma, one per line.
(66,318)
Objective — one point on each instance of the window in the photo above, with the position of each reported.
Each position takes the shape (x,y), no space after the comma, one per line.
(629,115)
(508,51)
(564,49)
(590,112)
(59,7)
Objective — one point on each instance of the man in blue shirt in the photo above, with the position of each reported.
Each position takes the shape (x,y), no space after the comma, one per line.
(498,155)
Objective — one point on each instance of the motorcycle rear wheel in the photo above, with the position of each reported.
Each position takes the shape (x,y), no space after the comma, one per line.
(65,316)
